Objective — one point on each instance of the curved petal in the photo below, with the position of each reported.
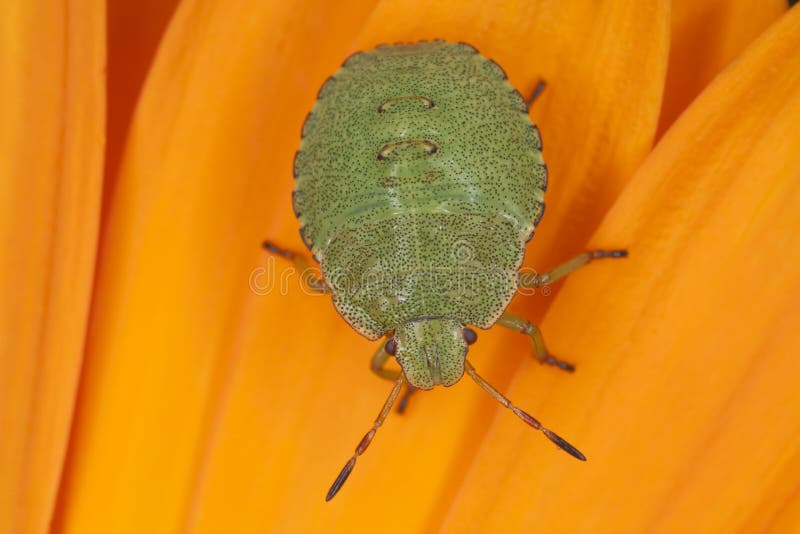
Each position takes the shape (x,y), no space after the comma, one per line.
(301,396)
(706,36)
(52,105)
(211,143)
(249,410)
(686,400)
(604,65)
(134,32)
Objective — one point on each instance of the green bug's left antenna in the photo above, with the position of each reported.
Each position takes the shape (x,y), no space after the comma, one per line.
(525,416)
(366,440)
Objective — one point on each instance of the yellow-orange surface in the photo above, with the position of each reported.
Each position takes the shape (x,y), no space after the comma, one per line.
(145,387)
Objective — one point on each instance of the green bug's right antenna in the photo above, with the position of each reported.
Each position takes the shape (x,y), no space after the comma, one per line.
(366,440)
(525,416)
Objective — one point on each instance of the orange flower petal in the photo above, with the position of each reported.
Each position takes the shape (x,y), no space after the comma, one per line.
(686,397)
(134,32)
(604,66)
(706,36)
(183,231)
(301,396)
(51,155)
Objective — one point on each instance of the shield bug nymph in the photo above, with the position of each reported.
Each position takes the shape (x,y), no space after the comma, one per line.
(420,178)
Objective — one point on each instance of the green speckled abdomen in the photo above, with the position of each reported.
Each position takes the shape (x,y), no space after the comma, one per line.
(418,182)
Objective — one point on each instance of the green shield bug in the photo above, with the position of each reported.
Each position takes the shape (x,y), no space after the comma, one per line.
(419,181)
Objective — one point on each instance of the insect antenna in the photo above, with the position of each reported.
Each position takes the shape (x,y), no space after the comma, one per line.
(366,440)
(525,416)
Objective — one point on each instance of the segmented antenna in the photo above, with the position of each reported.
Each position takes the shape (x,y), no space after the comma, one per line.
(525,416)
(366,440)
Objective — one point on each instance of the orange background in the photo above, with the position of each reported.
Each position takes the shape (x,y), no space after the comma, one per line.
(146,150)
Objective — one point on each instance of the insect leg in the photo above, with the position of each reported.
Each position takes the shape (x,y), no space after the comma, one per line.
(378,366)
(540,86)
(539,280)
(522,414)
(523,326)
(403,404)
(365,441)
(300,263)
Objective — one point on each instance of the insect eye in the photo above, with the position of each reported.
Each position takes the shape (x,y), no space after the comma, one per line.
(391,347)
(469,336)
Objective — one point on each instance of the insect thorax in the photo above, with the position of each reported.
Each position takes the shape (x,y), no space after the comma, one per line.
(419,180)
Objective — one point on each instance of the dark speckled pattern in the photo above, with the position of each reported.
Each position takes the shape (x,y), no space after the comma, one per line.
(419,180)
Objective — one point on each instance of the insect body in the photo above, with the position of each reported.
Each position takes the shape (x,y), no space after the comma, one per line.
(418,182)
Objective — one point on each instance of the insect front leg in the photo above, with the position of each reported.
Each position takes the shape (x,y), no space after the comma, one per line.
(378,366)
(539,280)
(300,263)
(523,326)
